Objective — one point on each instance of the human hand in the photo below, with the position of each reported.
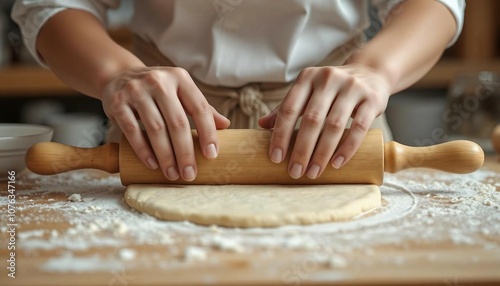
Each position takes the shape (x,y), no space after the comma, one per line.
(326,97)
(162,97)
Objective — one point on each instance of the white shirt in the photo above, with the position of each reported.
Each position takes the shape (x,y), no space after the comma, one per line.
(233,42)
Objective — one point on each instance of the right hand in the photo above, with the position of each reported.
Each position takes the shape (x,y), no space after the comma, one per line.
(162,97)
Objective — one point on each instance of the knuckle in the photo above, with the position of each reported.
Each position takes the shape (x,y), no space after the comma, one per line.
(179,123)
(121,115)
(313,118)
(186,156)
(127,124)
(300,154)
(279,134)
(209,134)
(153,79)
(360,125)
(334,123)
(180,72)
(328,72)
(156,126)
(117,102)
(307,74)
(132,88)
(130,127)
(352,82)
(288,109)
(349,147)
(280,137)
(324,78)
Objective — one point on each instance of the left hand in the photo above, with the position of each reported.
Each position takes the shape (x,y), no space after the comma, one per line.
(326,97)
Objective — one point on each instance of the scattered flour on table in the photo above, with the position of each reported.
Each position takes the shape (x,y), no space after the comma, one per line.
(420,207)
(194,253)
(337,262)
(83,264)
(75,198)
(127,254)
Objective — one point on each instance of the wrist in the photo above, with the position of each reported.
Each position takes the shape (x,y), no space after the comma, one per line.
(111,69)
(377,65)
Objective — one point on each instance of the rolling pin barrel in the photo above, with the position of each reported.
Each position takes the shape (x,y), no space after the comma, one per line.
(243,159)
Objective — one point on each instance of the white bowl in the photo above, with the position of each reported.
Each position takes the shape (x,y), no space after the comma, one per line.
(77,129)
(15,139)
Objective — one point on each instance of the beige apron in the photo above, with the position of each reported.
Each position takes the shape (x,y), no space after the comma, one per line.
(245,105)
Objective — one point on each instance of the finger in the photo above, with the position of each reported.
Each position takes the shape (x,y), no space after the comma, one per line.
(288,113)
(202,113)
(158,137)
(125,119)
(333,129)
(268,121)
(221,122)
(179,131)
(364,118)
(310,129)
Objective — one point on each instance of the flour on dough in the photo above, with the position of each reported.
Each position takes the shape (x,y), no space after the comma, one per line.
(253,205)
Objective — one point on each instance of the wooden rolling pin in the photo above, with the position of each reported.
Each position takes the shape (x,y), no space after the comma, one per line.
(243,159)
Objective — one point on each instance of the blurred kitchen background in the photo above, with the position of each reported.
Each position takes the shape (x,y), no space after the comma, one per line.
(459,97)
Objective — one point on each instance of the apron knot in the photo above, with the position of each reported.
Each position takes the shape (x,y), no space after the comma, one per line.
(250,101)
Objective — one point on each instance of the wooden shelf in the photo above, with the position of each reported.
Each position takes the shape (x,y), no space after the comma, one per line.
(442,75)
(31,80)
(35,81)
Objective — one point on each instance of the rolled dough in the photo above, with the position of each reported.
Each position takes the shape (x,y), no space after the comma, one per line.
(253,205)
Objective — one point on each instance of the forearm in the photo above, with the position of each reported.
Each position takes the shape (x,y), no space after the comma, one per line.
(410,43)
(79,51)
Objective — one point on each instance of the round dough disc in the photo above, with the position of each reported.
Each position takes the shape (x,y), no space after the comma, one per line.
(253,205)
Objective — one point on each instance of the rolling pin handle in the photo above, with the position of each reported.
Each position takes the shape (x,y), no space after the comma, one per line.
(459,157)
(50,158)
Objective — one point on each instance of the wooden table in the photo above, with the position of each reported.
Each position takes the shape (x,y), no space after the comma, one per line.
(88,243)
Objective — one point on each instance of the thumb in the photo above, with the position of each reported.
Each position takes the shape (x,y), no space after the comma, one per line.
(221,122)
(267,121)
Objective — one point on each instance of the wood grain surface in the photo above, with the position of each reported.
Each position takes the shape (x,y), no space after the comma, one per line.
(244,159)
(409,261)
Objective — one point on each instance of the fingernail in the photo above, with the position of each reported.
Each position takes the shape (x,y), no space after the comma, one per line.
(172,173)
(189,174)
(338,162)
(277,155)
(152,163)
(211,151)
(296,171)
(313,171)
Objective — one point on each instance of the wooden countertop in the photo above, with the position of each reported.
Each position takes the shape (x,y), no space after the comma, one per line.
(444,240)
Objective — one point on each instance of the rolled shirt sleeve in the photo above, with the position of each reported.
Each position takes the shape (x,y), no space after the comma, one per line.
(456,7)
(31,15)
